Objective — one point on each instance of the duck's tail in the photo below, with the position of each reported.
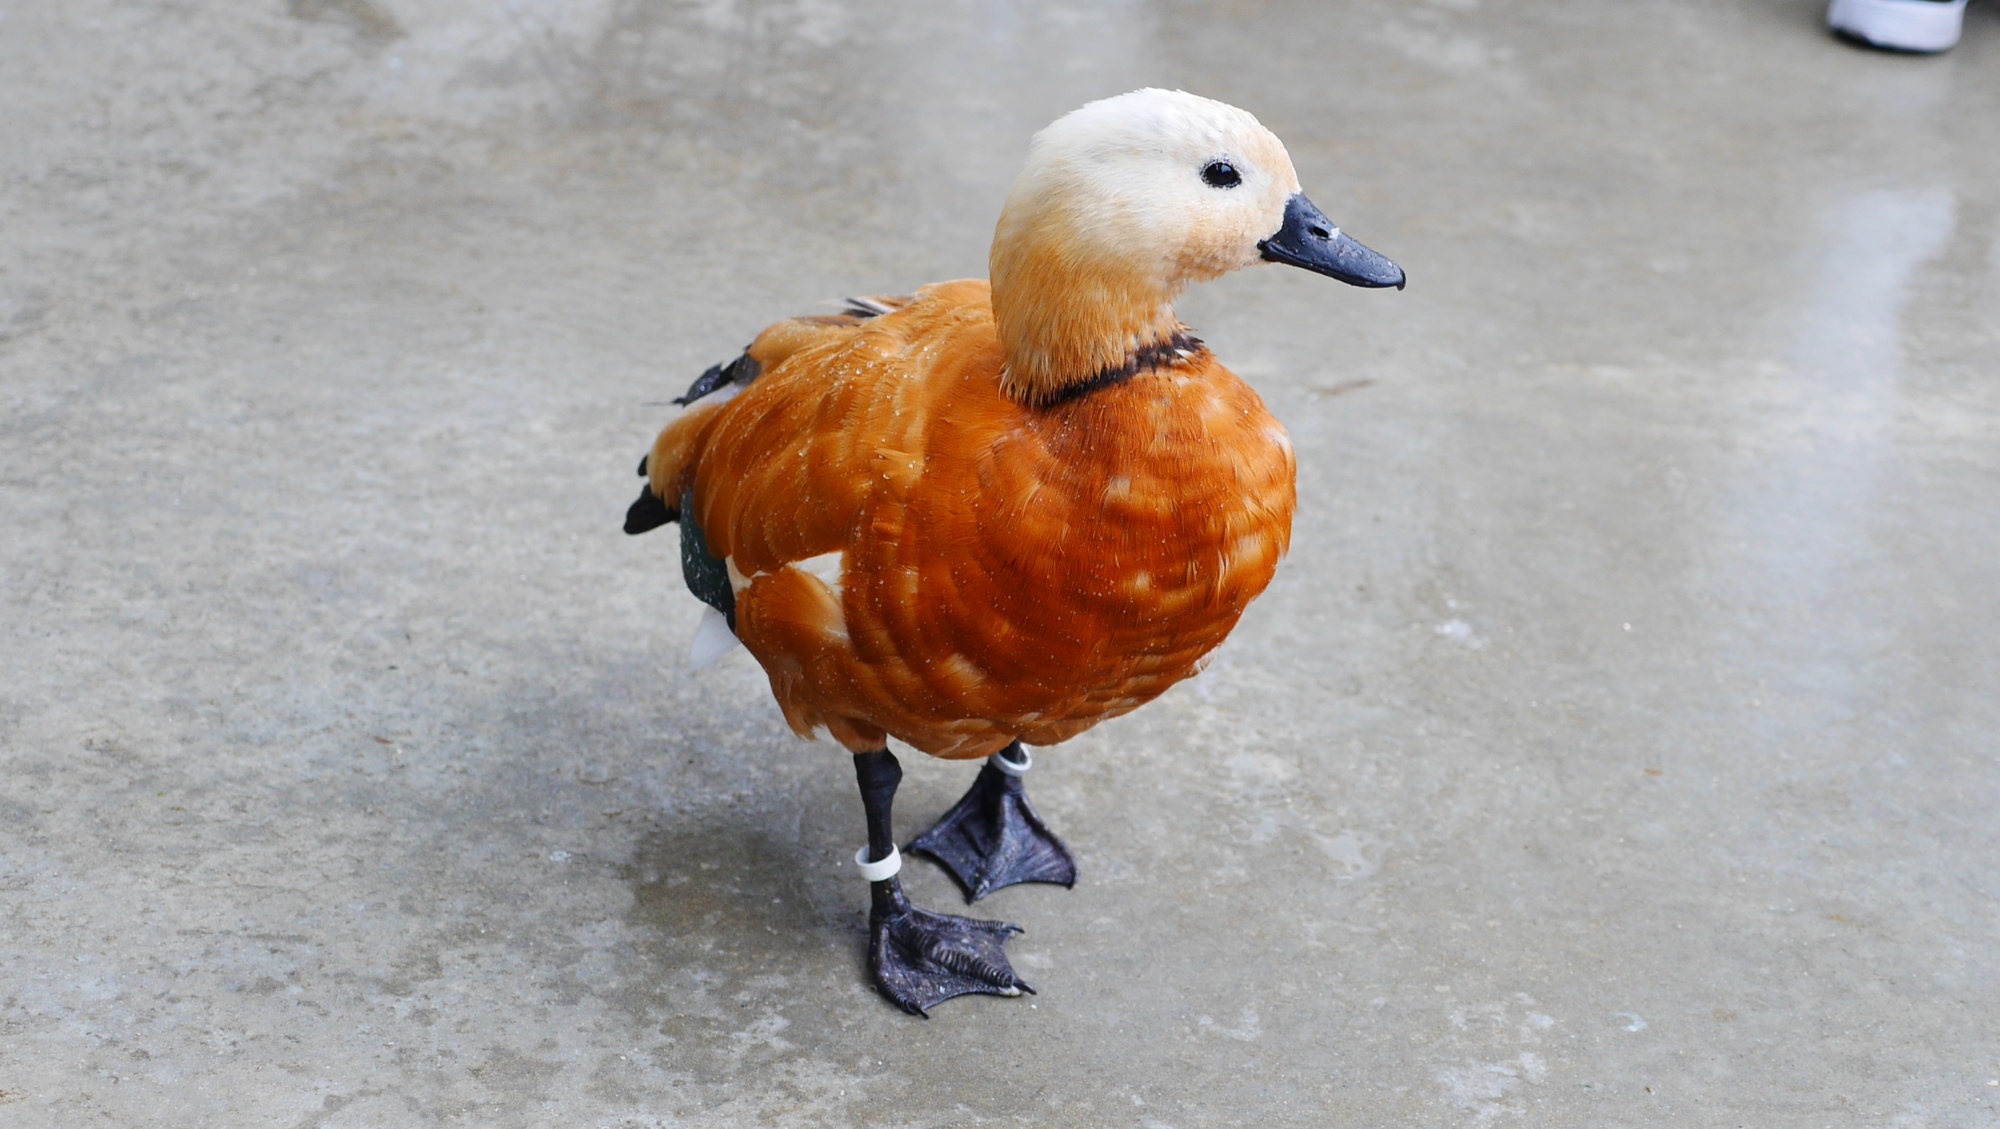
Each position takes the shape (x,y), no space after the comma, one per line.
(651,511)
(672,449)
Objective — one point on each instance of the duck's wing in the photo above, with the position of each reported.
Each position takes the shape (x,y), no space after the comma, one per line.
(782,474)
(779,475)
(773,483)
(657,506)
(784,339)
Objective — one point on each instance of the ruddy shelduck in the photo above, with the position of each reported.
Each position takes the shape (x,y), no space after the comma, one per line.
(999,513)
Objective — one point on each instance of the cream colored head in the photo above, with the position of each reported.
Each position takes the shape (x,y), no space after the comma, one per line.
(1175,186)
(1122,204)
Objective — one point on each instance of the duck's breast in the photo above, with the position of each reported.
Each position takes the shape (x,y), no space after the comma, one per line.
(1065,564)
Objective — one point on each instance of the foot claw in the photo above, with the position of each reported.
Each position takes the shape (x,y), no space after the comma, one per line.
(993,838)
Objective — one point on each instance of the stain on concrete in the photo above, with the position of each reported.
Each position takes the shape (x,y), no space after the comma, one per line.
(369,21)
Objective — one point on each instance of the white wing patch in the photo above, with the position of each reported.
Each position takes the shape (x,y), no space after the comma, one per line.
(713,639)
(737,581)
(827,567)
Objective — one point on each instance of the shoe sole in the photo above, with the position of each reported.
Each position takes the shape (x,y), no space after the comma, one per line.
(1902,25)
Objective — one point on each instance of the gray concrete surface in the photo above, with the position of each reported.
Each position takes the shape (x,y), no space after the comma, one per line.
(1616,747)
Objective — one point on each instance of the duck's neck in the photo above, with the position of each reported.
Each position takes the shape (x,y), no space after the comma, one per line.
(1067,325)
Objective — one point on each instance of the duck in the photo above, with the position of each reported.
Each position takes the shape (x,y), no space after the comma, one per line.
(991,514)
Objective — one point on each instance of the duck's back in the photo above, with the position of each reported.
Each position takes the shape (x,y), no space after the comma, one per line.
(1006,571)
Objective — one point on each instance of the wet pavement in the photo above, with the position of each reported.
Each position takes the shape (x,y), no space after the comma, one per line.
(1615,748)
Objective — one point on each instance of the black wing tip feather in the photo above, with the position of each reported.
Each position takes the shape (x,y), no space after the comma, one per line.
(873,307)
(707,382)
(648,513)
(742,370)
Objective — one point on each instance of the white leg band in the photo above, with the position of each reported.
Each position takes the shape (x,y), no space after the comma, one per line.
(1000,761)
(880,870)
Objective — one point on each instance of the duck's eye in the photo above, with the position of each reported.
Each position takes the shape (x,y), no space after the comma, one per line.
(1220,174)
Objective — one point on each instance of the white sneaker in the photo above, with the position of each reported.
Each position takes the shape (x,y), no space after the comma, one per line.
(1901,25)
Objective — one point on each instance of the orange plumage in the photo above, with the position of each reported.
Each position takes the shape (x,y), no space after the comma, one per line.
(1010,570)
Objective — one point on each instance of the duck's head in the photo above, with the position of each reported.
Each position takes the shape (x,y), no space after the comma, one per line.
(1126,201)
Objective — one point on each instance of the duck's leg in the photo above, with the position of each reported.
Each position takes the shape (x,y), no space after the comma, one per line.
(993,838)
(920,959)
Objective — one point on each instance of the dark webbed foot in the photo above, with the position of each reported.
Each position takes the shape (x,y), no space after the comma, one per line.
(920,959)
(993,838)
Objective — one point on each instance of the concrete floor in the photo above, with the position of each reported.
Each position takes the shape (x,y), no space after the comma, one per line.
(1616,747)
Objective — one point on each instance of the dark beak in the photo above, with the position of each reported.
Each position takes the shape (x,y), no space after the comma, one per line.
(1310,240)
